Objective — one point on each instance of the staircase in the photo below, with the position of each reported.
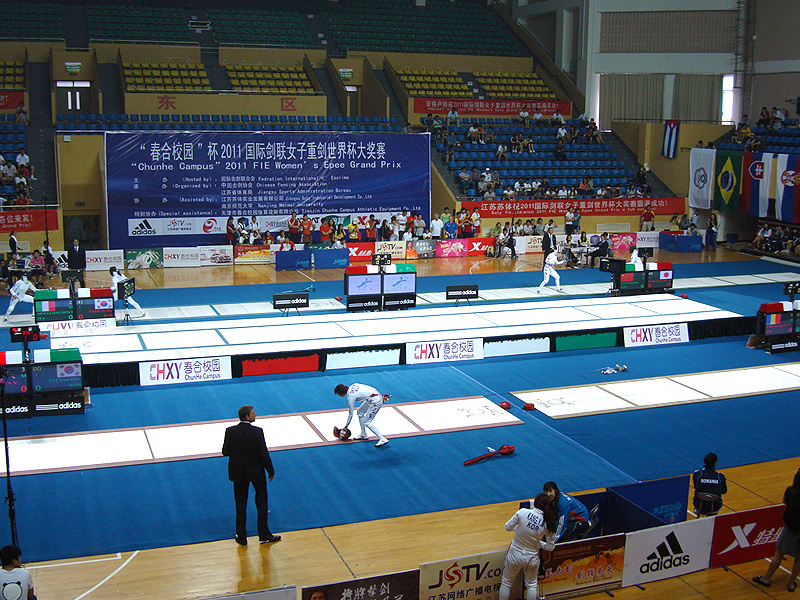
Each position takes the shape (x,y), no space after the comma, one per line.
(394,105)
(41,133)
(76,34)
(334,110)
(111,87)
(626,155)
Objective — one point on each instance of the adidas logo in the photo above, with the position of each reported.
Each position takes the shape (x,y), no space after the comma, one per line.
(668,554)
(143,228)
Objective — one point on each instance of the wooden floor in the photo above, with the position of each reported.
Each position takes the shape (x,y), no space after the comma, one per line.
(330,554)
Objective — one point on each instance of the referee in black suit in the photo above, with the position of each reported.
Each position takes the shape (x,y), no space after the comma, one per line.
(549,243)
(248,456)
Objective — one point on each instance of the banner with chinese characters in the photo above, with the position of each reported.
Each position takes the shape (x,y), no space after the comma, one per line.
(393,586)
(181,257)
(656,335)
(747,535)
(492,107)
(23,221)
(584,567)
(525,209)
(444,351)
(188,370)
(451,248)
(251,255)
(475,577)
(103,260)
(165,184)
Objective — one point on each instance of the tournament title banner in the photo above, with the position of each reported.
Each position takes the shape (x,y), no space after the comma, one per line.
(165,184)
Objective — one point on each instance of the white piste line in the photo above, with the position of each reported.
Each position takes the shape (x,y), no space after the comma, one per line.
(304,275)
(77,562)
(479,263)
(117,570)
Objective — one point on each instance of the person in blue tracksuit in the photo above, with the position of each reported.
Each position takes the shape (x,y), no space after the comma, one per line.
(573,518)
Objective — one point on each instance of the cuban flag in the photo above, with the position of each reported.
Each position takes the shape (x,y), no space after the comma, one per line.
(670,147)
(787,195)
(756,179)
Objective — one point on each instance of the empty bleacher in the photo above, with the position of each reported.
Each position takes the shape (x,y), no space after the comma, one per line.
(270,79)
(278,28)
(420,82)
(510,85)
(440,27)
(141,23)
(144,76)
(12,75)
(30,20)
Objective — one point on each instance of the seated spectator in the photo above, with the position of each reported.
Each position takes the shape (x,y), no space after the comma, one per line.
(496,230)
(465,179)
(286,245)
(427,235)
(408,234)
(538,228)
(516,142)
(602,250)
(452,118)
(481,134)
(561,133)
(242,232)
(490,194)
(427,123)
(538,118)
(584,120)
(684,222)
(9,173)
(14,579)
(527,228)
(573,518)
(563,192)
(502,152)
(24,159)
(437,128)
(525,117)
(692,230)
(266,239)
(22,114)
(527,144)
(708,481)
(777,242)
(586,187)
(742,134)
(485,184)
(597,135)
(490,135)
(764,118)
(472,133)
(509,193)
(710,145)
(407,128)
(37,268)
(22,200)
(569,255)
(755,143)
(557,119)
(572,135)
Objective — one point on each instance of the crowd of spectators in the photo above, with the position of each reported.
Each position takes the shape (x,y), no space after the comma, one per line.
(777,239)
(16,177)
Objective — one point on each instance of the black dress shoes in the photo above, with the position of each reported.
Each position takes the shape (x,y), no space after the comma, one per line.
(242,541)
(270,539)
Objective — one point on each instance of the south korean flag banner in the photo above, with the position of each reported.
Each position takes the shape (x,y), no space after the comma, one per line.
(670,146)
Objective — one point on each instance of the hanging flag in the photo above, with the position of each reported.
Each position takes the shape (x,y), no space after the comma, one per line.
(727,180)
(670,146)
(756,178)
(787,182)
(701,170)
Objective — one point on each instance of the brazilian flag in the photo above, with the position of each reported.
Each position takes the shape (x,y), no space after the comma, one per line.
(727,180)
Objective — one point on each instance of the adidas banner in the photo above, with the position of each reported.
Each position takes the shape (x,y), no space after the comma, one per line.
(756,178)
(787,195)
(668,551)
(701,176)
(670,146)
(727,180)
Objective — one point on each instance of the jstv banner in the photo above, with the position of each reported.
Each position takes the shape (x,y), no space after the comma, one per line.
(166,184)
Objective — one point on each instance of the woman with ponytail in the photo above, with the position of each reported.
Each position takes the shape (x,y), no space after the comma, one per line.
(533,528)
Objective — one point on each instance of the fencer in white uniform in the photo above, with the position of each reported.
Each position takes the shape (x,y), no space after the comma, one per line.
(530,534)
(550,262)
(371,401)
(19,293)
(636,260)
(116,277)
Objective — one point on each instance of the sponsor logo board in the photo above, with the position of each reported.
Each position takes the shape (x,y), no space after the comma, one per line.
(584,567)
(181,257)
(188,370)
(215,255)
(476,577)
(747,535)
(668,551)
(656,335)
(444,351)
(103,260)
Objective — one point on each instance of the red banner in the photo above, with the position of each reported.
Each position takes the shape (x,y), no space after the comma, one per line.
(525,209)
(10,100)
(361,251)
(747,535)
(491,107)
(478,246)
(27,220)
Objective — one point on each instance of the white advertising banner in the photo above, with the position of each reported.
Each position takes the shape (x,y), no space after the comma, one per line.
(476,577)
(656,335)
(668,551)
(647,239)
(103,260)
(396,248)
(533,244)
(215,255)
(187,370)
(444,351)
(181,257)
(151,226)
(78,327)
